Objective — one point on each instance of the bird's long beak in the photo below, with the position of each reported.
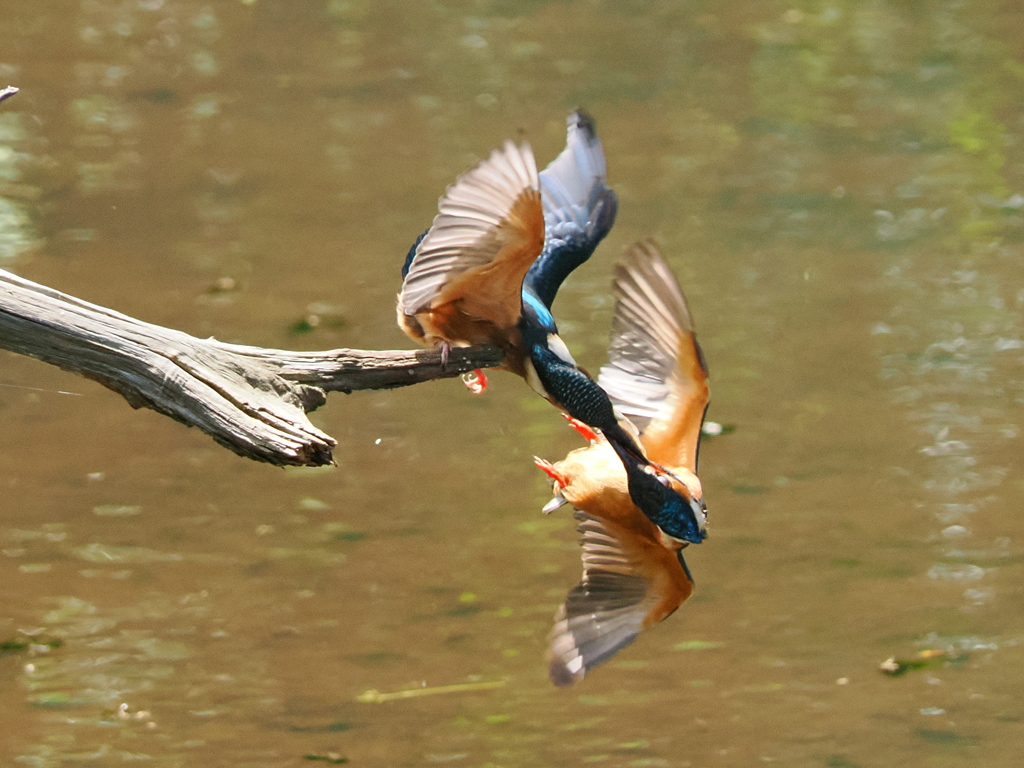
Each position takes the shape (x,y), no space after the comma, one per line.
(700,511)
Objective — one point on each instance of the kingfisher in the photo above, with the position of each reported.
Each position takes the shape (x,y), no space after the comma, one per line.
(462,279)
(489,267)
(634,574)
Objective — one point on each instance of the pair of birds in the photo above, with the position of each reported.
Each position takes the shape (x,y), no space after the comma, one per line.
(487,271)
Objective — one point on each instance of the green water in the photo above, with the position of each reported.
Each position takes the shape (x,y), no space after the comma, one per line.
(838,187)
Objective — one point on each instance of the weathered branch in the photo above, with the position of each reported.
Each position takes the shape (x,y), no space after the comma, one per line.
(249,399)
(346,370)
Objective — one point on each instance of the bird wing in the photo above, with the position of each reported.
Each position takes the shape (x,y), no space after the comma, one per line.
(489,230)
(625,588)
(656,374)
(579,209)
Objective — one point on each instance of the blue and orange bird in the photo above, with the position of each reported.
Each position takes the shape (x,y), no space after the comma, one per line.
(634,574)
(489,267)
(463,277)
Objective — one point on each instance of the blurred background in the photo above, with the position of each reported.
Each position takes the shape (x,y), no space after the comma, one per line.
(839,187)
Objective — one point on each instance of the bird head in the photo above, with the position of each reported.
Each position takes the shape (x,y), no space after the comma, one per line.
(677,510)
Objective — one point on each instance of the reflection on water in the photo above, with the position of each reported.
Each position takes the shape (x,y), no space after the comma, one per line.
(838,187)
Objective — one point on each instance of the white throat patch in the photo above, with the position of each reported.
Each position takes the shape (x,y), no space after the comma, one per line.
(556,345)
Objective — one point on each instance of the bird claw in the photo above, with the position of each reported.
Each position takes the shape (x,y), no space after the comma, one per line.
(588,434)
(475,381)
(548,469)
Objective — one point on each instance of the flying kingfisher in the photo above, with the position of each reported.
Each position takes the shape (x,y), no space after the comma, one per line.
(634,523)
(489,267)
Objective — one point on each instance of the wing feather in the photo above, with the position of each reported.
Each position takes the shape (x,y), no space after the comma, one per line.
(622,591)
(568,183)
(579,208)
(603,613)
(656,374)
(490,214)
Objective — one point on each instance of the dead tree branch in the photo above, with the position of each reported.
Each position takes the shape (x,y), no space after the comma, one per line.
(249,399)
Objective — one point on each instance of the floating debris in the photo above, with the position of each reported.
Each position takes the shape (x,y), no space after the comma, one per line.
(305,325)
(55,700)
(697,645)
(336,727)
(31,645)
(117,510)
(223,285)
(946,737)
(319,314)
(376,697)
(331,757)
(35,567)
(109,553)
(926,659)
(714,429)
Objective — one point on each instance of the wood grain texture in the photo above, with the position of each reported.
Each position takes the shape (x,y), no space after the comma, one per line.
(249,399)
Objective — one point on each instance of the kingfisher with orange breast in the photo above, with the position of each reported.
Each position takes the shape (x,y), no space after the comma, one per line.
(633,527)
(491,264)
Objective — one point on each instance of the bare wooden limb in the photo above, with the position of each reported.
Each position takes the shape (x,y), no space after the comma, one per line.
(346,370)
(249,399)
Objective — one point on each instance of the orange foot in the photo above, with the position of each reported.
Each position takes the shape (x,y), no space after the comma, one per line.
(475,381)
(548,469)
(588,434)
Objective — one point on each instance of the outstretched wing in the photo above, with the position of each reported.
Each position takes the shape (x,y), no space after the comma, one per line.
(656,374)
(579,209)
(488,231)
(625,588)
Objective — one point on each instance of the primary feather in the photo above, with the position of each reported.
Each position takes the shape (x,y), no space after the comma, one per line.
(463,278)
(623,590)
(656,373)
(633,574)
(579,208)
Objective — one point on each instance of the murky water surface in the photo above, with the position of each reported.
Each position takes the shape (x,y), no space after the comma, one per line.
(839,187)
